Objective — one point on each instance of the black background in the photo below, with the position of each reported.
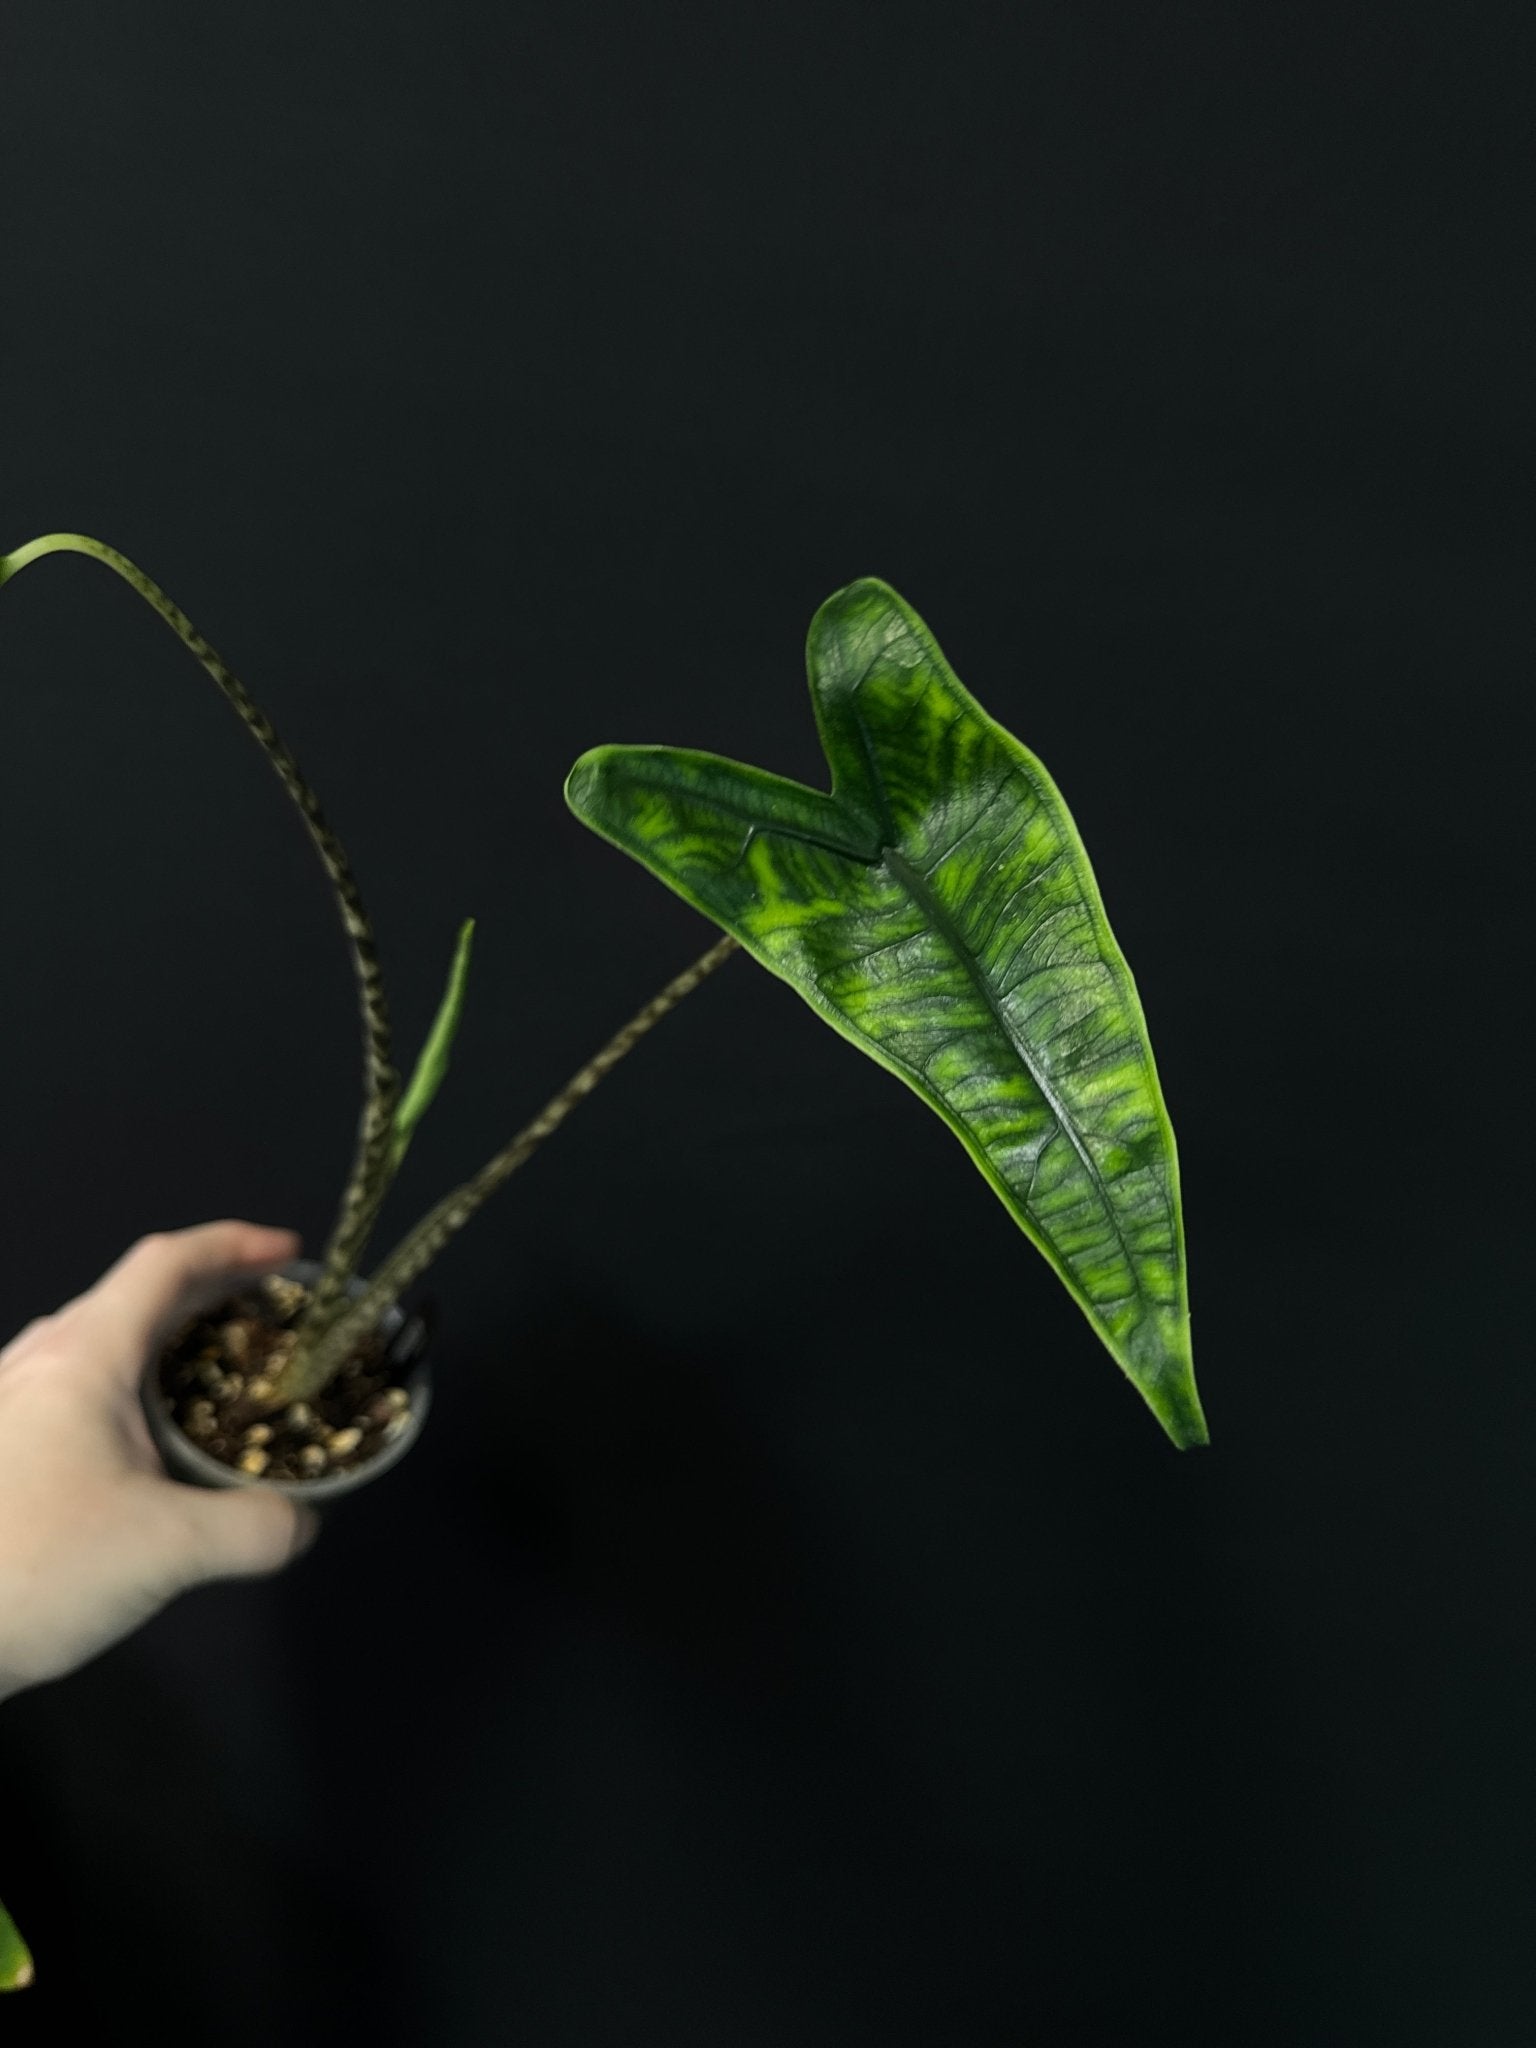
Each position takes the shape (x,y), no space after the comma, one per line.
(791,1628)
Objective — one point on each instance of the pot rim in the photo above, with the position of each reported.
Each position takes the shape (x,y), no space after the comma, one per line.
(186,1461)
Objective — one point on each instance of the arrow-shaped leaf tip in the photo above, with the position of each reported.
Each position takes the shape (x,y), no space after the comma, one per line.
(1169,1391)
(1181,1415)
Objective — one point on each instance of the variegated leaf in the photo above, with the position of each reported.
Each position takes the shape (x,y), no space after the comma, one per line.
(937,908)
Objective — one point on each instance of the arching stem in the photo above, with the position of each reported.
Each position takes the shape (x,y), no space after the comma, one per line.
(372,1169)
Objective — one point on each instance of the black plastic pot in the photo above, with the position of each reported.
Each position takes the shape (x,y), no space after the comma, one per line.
(406,1356)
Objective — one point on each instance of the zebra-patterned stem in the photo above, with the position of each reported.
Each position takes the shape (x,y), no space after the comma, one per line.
(311,1365)
(372,1168)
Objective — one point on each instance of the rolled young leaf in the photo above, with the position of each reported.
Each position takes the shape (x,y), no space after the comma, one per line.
(433,1063)
(421,1245)
(938,909)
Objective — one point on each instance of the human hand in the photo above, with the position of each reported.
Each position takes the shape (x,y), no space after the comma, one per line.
(94,1536)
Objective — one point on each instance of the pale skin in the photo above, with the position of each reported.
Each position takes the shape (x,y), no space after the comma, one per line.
(95,1537)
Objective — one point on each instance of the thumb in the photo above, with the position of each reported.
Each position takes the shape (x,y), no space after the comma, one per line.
(244,1531)
(164,1279)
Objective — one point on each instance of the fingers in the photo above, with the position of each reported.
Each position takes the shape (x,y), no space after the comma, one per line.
(166,1278)
(244,1532)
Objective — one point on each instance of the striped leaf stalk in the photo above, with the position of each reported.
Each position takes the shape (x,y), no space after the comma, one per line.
(372,1168)
(420,1247)
(332,1326)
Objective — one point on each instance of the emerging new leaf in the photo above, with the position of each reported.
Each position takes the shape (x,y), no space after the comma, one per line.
(432,1064)
(938,909)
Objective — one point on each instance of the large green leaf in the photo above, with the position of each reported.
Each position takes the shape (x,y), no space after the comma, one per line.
(938,909)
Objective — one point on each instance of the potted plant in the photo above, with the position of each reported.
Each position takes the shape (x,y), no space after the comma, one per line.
(936,907)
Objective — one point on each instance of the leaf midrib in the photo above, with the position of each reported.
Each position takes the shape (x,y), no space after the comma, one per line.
(932,904)
(916,884)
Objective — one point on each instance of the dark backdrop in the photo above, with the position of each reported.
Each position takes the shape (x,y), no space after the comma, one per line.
(791,1627)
